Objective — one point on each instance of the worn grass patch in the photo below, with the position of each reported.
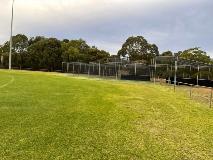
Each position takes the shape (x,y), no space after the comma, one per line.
(51,116)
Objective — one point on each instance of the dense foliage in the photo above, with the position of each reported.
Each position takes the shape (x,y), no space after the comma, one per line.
(195,54)
(40,53)
(138,48)
(167,53)
(48,53)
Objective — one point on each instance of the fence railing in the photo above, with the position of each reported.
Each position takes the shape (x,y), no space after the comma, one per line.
(199,93)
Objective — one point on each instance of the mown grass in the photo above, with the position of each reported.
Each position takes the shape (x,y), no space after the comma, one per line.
(50,116)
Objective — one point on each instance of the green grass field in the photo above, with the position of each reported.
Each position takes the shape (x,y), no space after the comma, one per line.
(52,116)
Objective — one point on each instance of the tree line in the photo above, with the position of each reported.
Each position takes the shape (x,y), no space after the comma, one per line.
(39,52)
(138,49)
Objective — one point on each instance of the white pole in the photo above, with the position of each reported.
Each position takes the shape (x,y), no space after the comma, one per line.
(99,72)
(198,69)
(209,73)
(211,95)
(155,69)
(175,77)
(68,65)
(11,41)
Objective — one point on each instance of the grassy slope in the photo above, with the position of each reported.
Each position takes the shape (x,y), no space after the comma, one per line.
(44,116)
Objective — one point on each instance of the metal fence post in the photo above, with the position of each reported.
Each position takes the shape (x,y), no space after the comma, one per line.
(198,69)
(210,101)
(175,77)
(190,91)
(155,63)
(89,70)
(68,67)
(99,71)
(73,69)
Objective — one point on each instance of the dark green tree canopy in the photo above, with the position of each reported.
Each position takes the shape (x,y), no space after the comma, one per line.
(95,55)
(33,40)
(49,53)
(137,48)
(79,50)
(194,54)
(19,50)
(20,44)
(167,53)
(46,53)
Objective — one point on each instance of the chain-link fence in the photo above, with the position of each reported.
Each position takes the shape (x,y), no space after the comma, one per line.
(199,93)
(116,70)
(194,88)
(97,69)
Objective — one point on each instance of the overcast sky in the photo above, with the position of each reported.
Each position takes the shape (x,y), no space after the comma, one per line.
(170,24)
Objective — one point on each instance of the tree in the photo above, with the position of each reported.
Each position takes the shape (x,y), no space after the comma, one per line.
(79,50)
(33,40)
(195,54)
(167,53)
(65,40)
(95,55)
(20,44)
(46,54)
(137,48)
(19,49)
(73,49)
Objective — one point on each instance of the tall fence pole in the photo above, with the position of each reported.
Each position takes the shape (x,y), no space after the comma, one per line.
(155,69)
(68,67)
(73,68)
(190,91)
(116,71)
(198,70)
(105,68)
(209,73)
(119,70)
(175,77)
(171,74)
(210,101)
(99,69)
(88,70)
(152,74)
(80,68)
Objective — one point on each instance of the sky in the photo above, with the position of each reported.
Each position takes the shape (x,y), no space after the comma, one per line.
(171,24)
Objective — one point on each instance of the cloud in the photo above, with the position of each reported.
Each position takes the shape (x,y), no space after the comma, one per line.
(171,24)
